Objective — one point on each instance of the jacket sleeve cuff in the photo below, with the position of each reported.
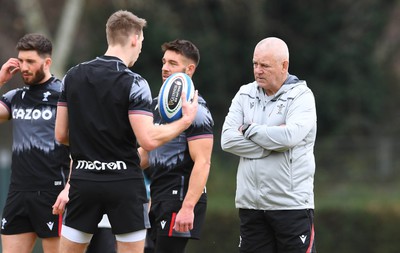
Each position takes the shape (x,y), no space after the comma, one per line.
(249,132)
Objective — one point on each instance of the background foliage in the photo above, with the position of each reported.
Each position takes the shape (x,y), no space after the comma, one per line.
(346,50)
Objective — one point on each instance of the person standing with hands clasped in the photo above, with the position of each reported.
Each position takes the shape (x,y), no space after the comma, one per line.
(39,164)
(178,170)
(104,113)
(271,126)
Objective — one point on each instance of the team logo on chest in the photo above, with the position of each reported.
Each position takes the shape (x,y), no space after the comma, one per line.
(45,96)
(280,108)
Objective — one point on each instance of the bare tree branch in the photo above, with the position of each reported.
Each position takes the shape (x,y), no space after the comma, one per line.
(34,21)
(33,16)
(66,34)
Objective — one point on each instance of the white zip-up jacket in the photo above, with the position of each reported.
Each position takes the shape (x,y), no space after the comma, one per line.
(277,165)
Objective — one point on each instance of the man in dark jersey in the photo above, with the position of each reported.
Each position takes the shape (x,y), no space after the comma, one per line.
(39,164)
(178,170)
(104,114)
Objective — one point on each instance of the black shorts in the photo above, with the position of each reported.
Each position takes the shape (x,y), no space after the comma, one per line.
(162,218)
(288,231)
(125,202)
(31,211)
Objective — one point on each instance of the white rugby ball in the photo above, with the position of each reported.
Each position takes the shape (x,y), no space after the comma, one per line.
(169,97)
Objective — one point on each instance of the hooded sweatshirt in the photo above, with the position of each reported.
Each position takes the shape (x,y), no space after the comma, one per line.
(277,165)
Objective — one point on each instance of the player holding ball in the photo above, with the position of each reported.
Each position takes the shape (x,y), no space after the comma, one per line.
(179,169)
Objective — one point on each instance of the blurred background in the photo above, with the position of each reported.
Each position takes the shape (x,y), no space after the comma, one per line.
(348,51)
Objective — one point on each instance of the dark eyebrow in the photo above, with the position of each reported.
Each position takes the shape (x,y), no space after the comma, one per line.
(171,61)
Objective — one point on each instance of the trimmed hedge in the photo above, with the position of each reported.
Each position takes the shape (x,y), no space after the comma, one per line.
(344,231)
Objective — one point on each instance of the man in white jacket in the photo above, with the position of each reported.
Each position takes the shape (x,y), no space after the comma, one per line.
(271,126)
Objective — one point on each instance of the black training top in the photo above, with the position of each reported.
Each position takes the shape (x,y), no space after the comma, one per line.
(38,162)
(100,95)
(171,164)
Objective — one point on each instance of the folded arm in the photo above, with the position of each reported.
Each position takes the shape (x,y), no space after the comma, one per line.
(232,139)
(300,119)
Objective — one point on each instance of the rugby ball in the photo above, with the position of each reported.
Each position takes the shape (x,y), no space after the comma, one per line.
(169,97)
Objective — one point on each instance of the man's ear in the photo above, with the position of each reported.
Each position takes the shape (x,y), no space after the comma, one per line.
(134,38)
(47,62)
(190,69)
(285,66)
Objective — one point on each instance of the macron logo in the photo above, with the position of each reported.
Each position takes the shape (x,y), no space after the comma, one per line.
(303,238)
(97,165)
(163,222)
(50,225)
(3,222)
